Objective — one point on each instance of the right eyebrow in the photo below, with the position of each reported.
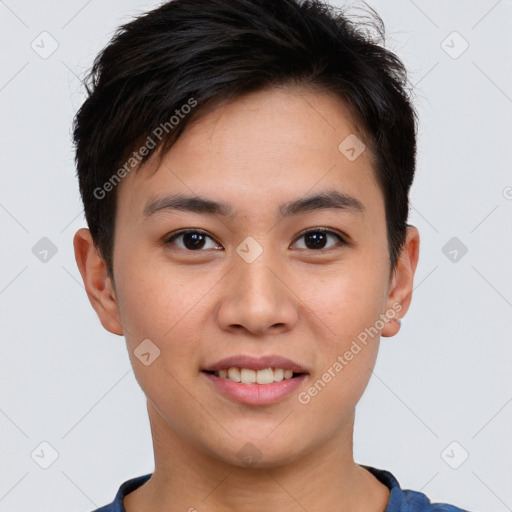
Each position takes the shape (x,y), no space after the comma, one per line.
(327,199)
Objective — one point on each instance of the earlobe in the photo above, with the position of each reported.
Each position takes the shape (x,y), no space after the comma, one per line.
(97,282)
(400,291)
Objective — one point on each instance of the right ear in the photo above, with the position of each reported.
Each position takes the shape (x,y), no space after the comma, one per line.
(98,284)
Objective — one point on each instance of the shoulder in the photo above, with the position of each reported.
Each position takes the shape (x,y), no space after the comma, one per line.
(126,487)
(105,508)
(414,501)
(402,500)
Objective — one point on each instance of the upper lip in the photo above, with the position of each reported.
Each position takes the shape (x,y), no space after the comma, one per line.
(256,363)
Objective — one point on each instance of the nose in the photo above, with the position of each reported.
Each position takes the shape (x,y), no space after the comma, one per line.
(257,297)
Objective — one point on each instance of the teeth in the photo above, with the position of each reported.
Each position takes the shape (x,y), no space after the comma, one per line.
(264,376)
(234,374)
(247,376)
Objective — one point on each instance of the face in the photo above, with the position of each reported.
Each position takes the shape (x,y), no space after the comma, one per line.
(265,279)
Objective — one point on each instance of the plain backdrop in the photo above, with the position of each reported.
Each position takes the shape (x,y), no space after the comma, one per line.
(437,412)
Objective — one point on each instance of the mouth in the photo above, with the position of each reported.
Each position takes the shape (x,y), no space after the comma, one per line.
(256,370)
(254,393)
(255,380)
(249,376)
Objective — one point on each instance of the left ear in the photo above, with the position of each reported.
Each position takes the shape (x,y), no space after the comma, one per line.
(400,291)
(98,285)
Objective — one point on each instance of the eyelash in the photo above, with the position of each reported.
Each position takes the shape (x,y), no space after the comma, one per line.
(342,241)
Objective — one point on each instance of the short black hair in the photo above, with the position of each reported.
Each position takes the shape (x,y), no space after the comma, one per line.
(174,63)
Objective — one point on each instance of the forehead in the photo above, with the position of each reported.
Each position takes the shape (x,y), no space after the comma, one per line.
(271,145)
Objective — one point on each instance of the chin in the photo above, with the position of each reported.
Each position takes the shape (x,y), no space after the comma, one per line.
(258,453)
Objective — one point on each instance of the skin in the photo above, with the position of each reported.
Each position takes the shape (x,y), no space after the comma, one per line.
(199,306)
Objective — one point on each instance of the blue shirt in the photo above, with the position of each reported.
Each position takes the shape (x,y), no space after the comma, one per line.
(399,500)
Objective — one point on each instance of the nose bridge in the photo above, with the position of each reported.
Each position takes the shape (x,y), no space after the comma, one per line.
(257,298)
(258,279)
(256,270)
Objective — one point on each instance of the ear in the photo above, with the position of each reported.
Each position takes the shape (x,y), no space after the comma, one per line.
(97,282)
(400,290)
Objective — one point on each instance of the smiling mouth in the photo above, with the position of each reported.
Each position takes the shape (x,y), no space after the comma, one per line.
(248,376)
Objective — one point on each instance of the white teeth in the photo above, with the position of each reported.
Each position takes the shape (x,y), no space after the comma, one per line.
(265,376)
(247,376)
(234,374)
(278,374)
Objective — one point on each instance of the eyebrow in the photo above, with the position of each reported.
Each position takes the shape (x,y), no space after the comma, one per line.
(328,199)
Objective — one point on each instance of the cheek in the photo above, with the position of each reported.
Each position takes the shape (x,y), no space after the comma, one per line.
(346,300)
(334,394)
(155,299)
(170,307)
(347,307)
(347,346)
(154,307)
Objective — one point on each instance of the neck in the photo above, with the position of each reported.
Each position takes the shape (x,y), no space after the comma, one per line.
(188,478)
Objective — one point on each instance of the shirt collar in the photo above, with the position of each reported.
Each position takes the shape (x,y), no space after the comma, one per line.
(396,495)
(394,502)
(126,488)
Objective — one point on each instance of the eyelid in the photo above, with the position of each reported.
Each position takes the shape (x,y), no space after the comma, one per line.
(342,239)
(175,234)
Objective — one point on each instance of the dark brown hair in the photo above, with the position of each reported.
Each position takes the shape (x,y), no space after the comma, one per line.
(202,52)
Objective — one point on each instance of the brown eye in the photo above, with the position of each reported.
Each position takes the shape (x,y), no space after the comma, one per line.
(316,239)
(196,240)
(192,240)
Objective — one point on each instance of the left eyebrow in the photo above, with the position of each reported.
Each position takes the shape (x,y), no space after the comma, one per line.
(328,199)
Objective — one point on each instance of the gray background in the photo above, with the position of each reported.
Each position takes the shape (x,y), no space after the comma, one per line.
(442,388)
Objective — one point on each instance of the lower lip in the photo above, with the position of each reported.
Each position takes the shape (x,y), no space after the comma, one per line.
(256,394)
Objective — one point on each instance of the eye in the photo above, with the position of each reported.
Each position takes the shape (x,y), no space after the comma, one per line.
(316,238)
(193,239)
